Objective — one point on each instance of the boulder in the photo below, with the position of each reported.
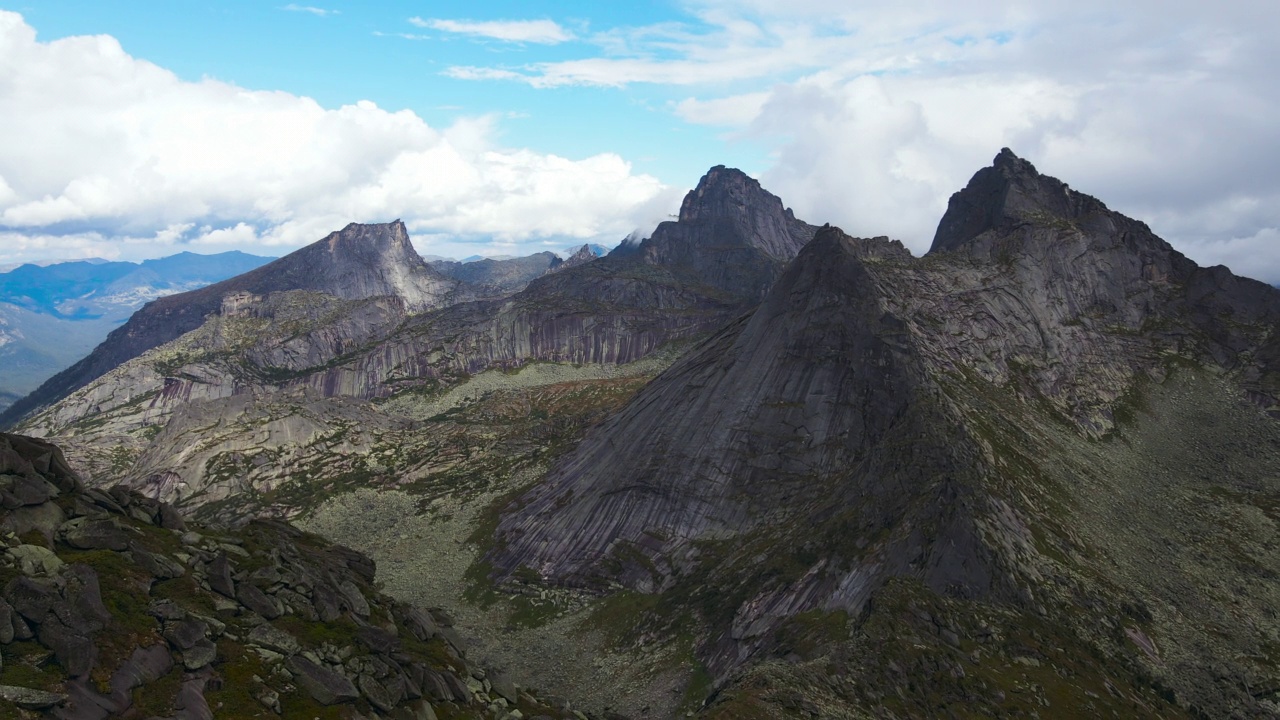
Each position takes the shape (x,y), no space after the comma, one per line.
(190,703)
(199,655)
(35,560)
(256,600)
(82,609)
(33,598)
(89,533)
(158,566)
(325,686)
(273,638)
(170,519)
(75,652)
(30,699)
(145,665)
(220,576)
(184,634)
(378,640)
(326,603)
(377,694)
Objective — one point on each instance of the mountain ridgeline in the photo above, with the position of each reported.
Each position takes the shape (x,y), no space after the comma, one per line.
(1033,472)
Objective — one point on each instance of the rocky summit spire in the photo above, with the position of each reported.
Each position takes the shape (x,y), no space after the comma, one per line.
(730,195)
(358,261)
(1010,191)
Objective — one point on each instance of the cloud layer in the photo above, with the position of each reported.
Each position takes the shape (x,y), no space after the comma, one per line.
(874,113)
(105,154)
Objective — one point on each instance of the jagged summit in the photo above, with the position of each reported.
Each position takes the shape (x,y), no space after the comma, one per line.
(730,195)
(359,261)
(1009,192)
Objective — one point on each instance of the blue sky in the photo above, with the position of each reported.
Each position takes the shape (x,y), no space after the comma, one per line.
(340,52)
(139,129)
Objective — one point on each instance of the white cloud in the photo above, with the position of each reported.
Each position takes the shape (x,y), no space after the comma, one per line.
(322,12)
(541,32)
(874,113)
(125,154)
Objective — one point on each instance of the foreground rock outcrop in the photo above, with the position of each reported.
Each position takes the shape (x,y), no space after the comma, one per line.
(112,606)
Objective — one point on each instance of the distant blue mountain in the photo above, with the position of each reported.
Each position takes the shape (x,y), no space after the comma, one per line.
(53,315)
(93,289)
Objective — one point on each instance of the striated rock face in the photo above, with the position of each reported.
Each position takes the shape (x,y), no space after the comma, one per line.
(951,422)
(146,421)
(357,262)
(129,612)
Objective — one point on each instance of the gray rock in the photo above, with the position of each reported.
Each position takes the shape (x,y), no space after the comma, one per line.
(33,598)
(355,599)
(190,702)
(299,604)
(144,666)
(166,610)
(199,655)
(35,560)
(377,694)
(75,652)
(27,490)
(323,685)
(157,565)
(326,604)
(220,576)
(81,609)
(44,519)
(421,624)
(378,640)
(170,519)
(504,687)
(271,637)
(256,600)
(30,699)
(184,634)
(88,533)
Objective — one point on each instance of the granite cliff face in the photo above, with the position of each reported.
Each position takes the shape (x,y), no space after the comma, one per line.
(357,262)
(887,432)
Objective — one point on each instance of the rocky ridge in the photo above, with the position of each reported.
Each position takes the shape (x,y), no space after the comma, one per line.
(113,606)
(355,263)
(882,417)
(289,348)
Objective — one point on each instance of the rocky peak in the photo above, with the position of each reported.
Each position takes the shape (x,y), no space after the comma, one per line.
(358,261)
(730,195)
(582,255)
(1009,192)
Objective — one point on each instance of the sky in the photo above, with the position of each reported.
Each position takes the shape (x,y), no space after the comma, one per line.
(144,128)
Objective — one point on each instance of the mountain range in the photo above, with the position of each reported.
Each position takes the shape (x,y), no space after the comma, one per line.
(53,315)
(752,467)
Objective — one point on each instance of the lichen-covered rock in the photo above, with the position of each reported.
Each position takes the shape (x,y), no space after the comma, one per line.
(122,631)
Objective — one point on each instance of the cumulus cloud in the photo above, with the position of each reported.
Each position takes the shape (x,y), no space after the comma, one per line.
(105,153)
(541,32)
(874,113)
